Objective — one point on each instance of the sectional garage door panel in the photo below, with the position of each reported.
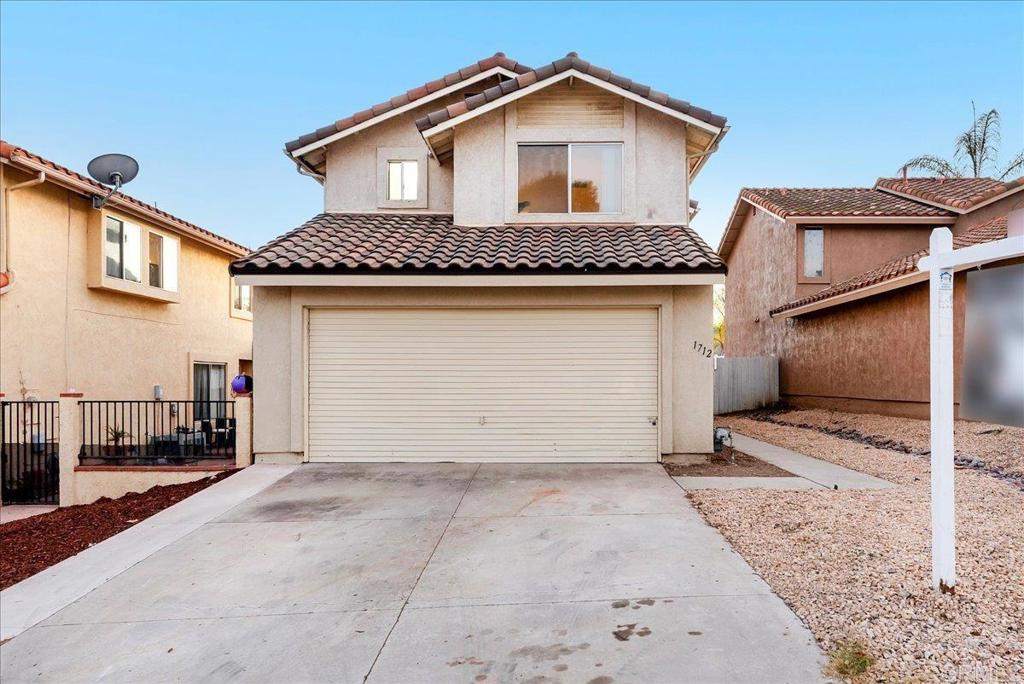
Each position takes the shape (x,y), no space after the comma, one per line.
(576,384)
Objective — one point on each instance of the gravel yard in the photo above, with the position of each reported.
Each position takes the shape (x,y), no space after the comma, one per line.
(855,565)
(995,448)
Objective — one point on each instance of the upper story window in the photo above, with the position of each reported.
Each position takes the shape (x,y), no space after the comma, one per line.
(814,253)
(241,298)
(163,262)
(403,179)
(576,178)
(122,250)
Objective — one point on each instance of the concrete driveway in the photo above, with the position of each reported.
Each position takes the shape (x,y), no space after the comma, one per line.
(600,574)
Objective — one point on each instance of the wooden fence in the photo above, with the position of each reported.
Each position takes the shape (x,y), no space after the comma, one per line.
(745,382)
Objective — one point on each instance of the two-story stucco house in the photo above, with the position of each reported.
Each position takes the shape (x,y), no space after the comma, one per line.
(503,271)
(111,302)
(826,280)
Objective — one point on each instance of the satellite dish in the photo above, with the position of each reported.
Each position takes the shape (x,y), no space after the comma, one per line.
(114,170)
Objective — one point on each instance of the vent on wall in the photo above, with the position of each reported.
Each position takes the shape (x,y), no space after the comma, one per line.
(577,105)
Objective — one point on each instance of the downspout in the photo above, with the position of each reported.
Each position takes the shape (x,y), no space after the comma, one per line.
(8,273)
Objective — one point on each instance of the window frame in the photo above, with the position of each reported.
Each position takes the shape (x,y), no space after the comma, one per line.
(202,406)
(568,177)
(165,238)
(123,237)
(244,314)
(825,277)
(387,155)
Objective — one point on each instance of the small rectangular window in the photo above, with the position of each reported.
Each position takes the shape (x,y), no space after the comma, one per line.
(814,252)
(123,250)
(156,276)
(403,180)
(578,178)
(209,382)
(163,262)
(242,299)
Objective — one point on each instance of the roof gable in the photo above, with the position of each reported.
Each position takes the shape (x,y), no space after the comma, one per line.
(708,128)
(497,64)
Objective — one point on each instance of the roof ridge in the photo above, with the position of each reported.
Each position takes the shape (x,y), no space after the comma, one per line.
(572,60)
(8,151)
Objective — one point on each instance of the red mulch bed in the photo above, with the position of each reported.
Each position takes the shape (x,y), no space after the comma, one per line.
(33,544)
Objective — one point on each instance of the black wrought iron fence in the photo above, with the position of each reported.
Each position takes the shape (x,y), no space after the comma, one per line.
(29,452)
(157,432)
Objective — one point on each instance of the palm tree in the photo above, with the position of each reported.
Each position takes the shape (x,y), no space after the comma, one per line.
(975,152)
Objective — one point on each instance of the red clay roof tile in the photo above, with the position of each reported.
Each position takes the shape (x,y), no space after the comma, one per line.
(572,61)
(958,193)
(431,243)
(823,203)
(13,153)
(498,59)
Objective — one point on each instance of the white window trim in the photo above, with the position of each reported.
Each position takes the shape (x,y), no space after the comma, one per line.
(515,136)
(96,254)
(392,154)
(580,215)
(235,311)
(165,237)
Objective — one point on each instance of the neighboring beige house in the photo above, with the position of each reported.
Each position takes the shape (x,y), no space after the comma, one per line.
(826,280)
(75,316)
(503,271)
(111,303)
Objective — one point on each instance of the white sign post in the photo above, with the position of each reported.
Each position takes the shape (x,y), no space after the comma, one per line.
(942,261)
(941,342)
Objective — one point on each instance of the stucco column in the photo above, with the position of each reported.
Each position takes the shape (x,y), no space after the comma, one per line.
(243,431)
(70,442)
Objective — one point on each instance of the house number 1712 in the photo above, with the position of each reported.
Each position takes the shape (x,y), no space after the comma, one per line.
(701,349)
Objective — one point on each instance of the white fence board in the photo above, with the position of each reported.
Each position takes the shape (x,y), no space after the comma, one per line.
(745,382)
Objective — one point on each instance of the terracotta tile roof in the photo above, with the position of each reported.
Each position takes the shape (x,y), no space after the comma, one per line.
(957,193)
(570,61)
(498,59)
(14,153)
(900,266)
(431,243)
(836,202)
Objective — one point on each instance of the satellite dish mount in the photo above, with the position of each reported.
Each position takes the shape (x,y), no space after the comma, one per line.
(114,170)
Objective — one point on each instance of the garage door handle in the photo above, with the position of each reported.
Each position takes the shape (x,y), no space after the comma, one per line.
(653,419)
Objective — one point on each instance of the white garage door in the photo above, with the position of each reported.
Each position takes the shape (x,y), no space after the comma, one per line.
(575,384)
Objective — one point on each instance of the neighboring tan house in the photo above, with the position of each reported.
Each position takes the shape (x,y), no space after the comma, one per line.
(503,272)
(826,280)
(111,304)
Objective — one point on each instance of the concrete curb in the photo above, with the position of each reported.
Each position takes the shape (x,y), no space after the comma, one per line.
(35,599)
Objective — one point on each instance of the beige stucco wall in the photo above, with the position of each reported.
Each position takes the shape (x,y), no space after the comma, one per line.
(655,184)
(479,184)
(280,349)
(56,333)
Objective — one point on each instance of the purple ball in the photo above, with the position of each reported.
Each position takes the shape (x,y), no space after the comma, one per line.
(241,384)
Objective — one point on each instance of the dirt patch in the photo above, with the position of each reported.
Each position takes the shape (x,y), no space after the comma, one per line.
(727,463)
(33,544)
(996,450)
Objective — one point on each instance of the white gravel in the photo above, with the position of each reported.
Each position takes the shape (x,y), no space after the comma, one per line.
(856,564)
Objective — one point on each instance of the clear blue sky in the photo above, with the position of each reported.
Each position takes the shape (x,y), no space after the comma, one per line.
(204,95)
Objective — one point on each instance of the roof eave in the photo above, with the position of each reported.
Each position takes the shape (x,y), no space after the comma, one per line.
(390,114)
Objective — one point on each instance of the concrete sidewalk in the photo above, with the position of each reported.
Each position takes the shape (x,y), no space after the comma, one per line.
(406,573)
(810,473)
